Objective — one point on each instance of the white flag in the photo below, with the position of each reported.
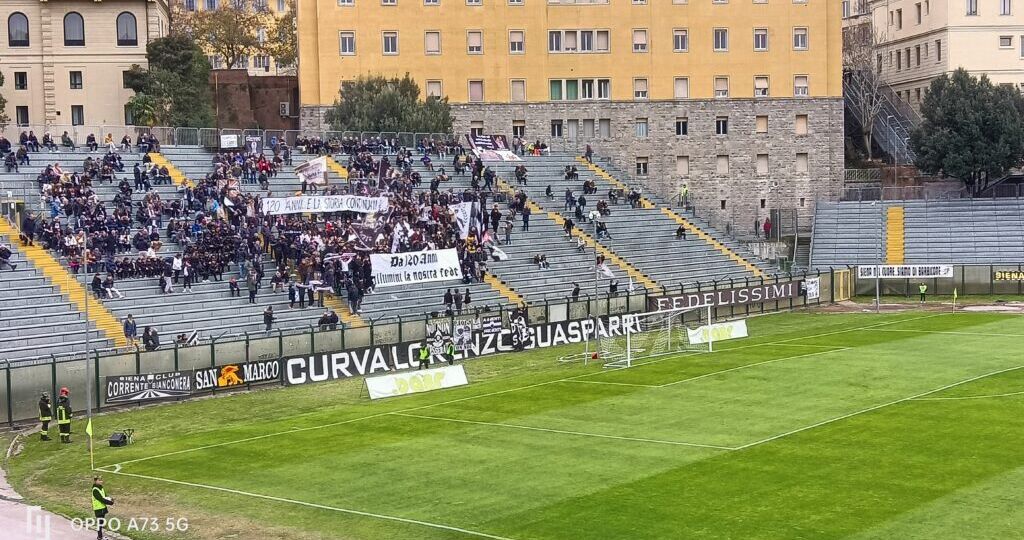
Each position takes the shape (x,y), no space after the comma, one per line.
(605,270)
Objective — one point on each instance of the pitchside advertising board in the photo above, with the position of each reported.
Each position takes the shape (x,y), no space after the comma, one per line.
(905,271)
(180,384)
(413,382)
(518,336)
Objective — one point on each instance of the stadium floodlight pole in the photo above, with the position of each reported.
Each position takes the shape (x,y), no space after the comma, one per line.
(878,266)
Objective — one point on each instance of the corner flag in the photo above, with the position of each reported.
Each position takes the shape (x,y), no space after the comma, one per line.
(88,428)
(88,431)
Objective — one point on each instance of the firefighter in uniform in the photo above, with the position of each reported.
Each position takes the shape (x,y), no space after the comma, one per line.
(45,415)
(64,416)
(100,502)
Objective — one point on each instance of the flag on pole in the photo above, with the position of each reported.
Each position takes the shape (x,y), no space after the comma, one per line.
(603,268)
(88,428)
(954,294)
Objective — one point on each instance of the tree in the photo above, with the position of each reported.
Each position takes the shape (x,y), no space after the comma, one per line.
(175,90)
(971,130)
(283,42)
(4,119)
(860,43)
(232,31)
(375,103)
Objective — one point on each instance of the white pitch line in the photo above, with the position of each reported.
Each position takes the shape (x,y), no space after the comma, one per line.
(745,366)
(987,396)
(315,505)
(377,415)
(581,381)
(952,333)
(876,407)
(563,432)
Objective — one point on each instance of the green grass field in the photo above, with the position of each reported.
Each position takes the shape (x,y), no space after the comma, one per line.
(906,425)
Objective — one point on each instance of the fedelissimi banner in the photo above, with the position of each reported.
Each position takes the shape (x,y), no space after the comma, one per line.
(413,382)
(905,271)
(394,269)
(324,204)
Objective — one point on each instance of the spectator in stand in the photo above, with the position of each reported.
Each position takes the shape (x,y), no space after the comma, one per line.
(252,284)
(767,228)
(269,318)
(109,289)
(90,142)
(588,154)
(48,143)
(10,162)
(150,339)
(5,257)
(131,330)
(67,142)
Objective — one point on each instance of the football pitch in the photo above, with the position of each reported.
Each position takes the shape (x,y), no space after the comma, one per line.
(904,425)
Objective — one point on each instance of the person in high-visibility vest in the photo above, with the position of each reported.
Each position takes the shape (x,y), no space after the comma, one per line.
(449,352)
(424,355)
(64,416)
(45,415)
(100,502)
(923,289)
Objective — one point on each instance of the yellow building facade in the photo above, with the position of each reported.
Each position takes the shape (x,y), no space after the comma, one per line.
(719,95)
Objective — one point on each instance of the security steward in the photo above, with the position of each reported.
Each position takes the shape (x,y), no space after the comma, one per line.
(45,415)
(424,355)
(100,502)
(64,416)
(449,351)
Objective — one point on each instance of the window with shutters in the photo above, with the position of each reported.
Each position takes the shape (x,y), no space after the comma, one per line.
(682,126)
(604,127)
(641,127)
(639,88)
(475,42)
(760,39)
(390,43)
(683,165)
(762,164)
(761,124)
(801,124)
(800,39)
(434,89)
(432,42)
(680,40)
(476,91)
(721,39)
(588,128)
(518,90)
(642,166)
(639,41)
(800,86)
(801,163)
(722,164)
(601,41)
(516,41)
(761,86)
(721,87)
(681,87)
(347,43)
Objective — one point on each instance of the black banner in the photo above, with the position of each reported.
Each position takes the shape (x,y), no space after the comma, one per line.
(382,358)
(239,374)
(148,387)
(488,142)
(727,297)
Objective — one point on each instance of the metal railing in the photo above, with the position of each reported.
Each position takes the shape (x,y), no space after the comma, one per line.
(23,380)
(905,193)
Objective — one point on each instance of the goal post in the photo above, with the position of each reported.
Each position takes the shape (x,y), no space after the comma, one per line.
(660,333)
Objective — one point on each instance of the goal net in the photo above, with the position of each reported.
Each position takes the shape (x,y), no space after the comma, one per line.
(660,333)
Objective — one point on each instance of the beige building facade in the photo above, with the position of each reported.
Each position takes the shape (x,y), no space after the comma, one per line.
(64,60)
(922,39)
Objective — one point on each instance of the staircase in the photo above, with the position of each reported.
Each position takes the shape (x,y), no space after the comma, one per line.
(895,246)
(894,119)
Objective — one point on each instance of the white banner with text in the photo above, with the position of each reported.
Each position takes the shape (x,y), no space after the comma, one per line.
(394,269)
(414,382)
(324,204)
(905,271)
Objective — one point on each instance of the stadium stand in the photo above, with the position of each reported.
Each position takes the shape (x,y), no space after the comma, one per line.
(644,234)
(959,231)
(542,263)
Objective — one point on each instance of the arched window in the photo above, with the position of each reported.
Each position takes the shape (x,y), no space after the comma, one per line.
(127,34)
(17,30)
(74,30)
